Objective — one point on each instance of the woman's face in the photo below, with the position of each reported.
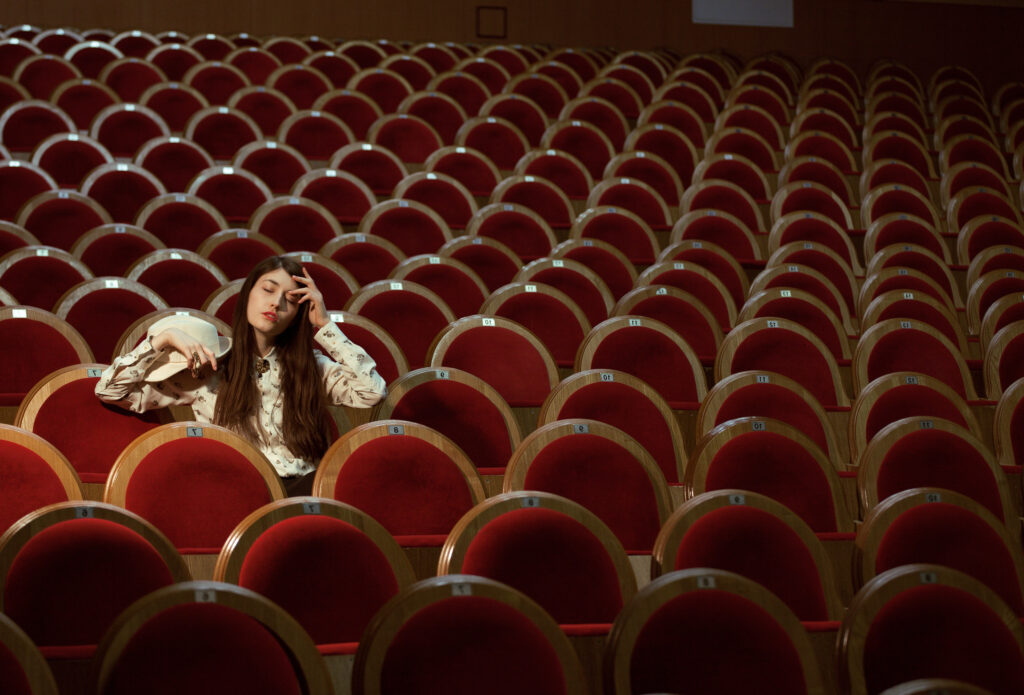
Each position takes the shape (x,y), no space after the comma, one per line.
(270,310)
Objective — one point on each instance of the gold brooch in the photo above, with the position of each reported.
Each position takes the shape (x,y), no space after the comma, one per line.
(261,366)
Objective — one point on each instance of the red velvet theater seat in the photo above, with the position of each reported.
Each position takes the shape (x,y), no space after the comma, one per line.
(59,218)
(23,671)
(610,264)
(492,260)
(181,278)
(368,257)
(22,269)
(343,194)
(34,474)
(699,281)
(538,194)
(503,353)
(465,634)
(34,343)
(945,528)
(237,251)
(181,220)
(192,481)
(329,565)
(202,637)
(412,226)
(1009,425)
(928,621)
(1004,359)
(235,193)
(709,630)
(297,224)
(411,479)
(549,313)
(776,460)
(64,410)
(460,406)
(111,248)
(455,282)
(600,467)
(441,193)
(69,569)
(376,166)
(518,227)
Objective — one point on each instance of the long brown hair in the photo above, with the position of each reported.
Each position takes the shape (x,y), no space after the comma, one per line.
(305,414)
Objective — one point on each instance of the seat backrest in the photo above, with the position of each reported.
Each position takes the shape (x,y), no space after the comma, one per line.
(328,564)
(297,224)
(413,226)
(685,630)
(455,282)
(1004,359)
(922,620)
(413,480)
(35,474)
(181,278)
(67,570)
(941,527)
(600,467)
(23,670)
(516,226)
(193,481)
(932,452)
(411,643)
(552,549)
(22,269)
(34,343)
(1009,418)
(167,639)
(459,405)
(754,536)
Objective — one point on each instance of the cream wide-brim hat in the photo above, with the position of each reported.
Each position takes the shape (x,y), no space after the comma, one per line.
(172,361)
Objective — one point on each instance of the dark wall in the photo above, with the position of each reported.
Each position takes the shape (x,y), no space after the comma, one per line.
(924,35)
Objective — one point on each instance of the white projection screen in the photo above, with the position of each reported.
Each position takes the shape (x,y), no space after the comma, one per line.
(756,13)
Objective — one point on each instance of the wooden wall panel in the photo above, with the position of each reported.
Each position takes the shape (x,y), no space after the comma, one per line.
(923,35)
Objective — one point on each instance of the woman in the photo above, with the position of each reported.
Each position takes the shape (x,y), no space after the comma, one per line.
(273,388)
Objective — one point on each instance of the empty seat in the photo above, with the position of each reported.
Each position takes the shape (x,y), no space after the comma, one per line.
(124,128)
(39,275)
(35,343)
(122,189)
(412,226)
(60,218)
(297,224)
(37,473)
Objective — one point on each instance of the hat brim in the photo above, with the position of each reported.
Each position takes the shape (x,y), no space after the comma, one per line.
(174,362)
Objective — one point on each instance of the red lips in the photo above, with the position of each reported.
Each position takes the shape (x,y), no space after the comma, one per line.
(270,316)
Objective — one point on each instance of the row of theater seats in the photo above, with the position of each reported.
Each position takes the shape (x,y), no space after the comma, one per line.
(397,501)
(692,158)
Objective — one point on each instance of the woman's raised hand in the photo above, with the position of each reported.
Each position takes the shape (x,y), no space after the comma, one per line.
(195,352)
(308,292)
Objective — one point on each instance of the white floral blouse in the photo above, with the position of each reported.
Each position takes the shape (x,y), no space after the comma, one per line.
(350,379)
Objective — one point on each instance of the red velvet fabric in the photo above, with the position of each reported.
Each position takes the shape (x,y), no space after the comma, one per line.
(826,149)
(184,225)
(816,231)
(22,280)
(411,230)
(28,125)
(123,194)
(498,141)
(276,167)
(26,483)
(789,354)
(934,458)
(217,83)
(908,231)
(493,267)
(17,185)
(906,282)
(933,631)
(411,319)
(646,204)
(606,479)
(944,534)
(552,321)
(203,649)
(725,233)
(300,85)
(68,161)
(518,231)
(236,257)
(467,645)
(551,558)
(626,408)
(91,434)
(983,203)
(463,415)
(114,253)
(615,91)
(72,579)
(608,267)
(718,197)
(60,221)
(374,168)
(777,402)
(543,93)
(456,288)
(695,95)
(810,284)
(807,315)
(994,232)
(651,356)
(195,490)
(175,164)
(711,641)
(902,148)
(1011,362)
(316,137)
(267,109)
(915,351)
(670,147)
(909,400)
(739,173)
(408,485)
(504,360)
(175,106)
(719,267)
(297,228)
(779,468)
(567,175)
(235,196)
(543,199)
(371,342)
(342,198)
(745,145)
(366,261)
(355,111)
(760,546)
(820,172)
(180,282)
(124,132)
(833,270)
(445,118)
(409,138)
(103,315)
(585,145)
(384,88)
(29,350)
(468,169)
(13,679)
(895,171)
(324,572)
(913,310)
